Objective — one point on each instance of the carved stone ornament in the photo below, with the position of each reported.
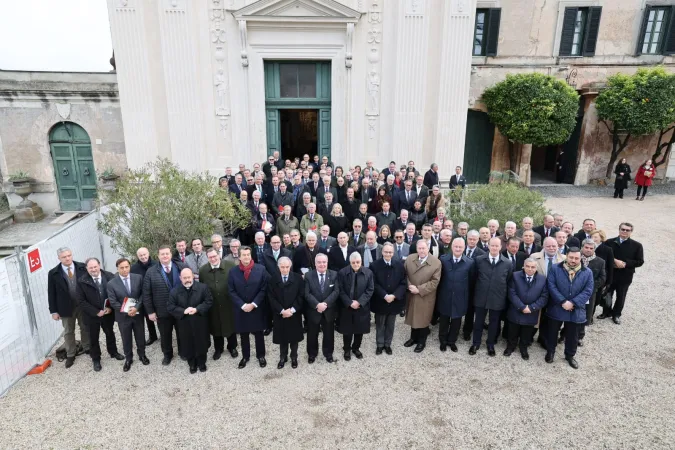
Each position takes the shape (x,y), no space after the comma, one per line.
(64,110)
(348,50)
(460,7)
(244,43)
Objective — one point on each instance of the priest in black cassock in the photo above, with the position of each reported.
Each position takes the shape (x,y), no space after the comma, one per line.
(189,303)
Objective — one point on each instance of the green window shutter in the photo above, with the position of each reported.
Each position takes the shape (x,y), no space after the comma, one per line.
(324,132)
(567,35)
(669,38)
(491,38)
(273,131)
(643,30)
(592,28)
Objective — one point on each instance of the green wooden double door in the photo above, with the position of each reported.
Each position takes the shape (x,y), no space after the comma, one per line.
(298,107)
(73,167)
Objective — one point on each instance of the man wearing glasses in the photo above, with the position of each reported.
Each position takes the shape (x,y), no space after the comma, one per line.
(628,256)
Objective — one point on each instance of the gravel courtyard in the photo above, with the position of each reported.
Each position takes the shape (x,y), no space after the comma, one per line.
(623,395)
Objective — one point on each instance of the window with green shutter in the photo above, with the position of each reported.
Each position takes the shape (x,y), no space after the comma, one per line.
(657,35)
(580,29)
(486,32)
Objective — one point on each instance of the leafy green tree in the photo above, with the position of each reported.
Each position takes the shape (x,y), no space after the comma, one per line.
(501,201)
(158,203)
(532,109)
(634,105)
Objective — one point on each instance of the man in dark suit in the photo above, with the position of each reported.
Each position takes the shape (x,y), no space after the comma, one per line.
(260,248)
(420,189)
(386,217)
(431,177)
(472,250)
(285,294)
(548,229)
(357,237)
(326,241)
(270,259)
(321,294)
(528,246)
(389,298)
(484,239)
(457,179)
(314,185)
(405,199)
(356,290)
(338,257)
(367,195)
(92,296)
(572,240)
(586,229)
(257,186)
(181,251)
(401,248)
(127,286)
(159,280)
(61,295)
(237,186)
(402,222)
(141,266)
(628,255)
(325,189)
(516,257)
(597,266)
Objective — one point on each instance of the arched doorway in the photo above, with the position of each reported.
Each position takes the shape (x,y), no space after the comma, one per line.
(73,167)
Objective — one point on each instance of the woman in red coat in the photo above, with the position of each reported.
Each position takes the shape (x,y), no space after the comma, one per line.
(644,177)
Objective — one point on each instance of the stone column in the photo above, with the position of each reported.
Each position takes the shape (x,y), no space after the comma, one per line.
(455,68)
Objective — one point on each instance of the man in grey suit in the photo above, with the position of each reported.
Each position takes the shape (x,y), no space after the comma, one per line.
(401,248)
(197,258)
(321,293)
(128,285)
(371,250)
(325,242)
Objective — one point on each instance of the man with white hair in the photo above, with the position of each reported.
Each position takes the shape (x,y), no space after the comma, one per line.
(322,294)
(61,295)
(371,250)
(233,256)
(286,292)
(389,298)
(546,259)
(493,226)
(528,225)
(338,257)
(310,221)
(303,258)
(140,267)
(303,205)
(217,244)
(402,222)
(325,240)
(325,189)
(356,289)
(510,230)
(472,249)
(260,248)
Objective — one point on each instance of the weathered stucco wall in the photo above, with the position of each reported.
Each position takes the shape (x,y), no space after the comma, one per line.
(31,103)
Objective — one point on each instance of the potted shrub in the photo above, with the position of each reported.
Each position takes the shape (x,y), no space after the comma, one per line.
(109,179)
(21,182)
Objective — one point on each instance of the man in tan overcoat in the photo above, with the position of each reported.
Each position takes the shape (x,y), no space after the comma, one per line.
(424,274)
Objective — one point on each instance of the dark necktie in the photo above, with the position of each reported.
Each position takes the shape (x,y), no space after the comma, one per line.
(529,281)
(550,264)
(494,261)
(285,279)
(126,285)
(321,281)
(260,253)
(513,261)
(398,251)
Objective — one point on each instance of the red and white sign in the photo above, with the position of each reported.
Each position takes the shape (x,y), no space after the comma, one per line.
(34,260)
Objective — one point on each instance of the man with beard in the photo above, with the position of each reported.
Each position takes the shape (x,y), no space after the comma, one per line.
(221,317)
(189,303)
(140,267)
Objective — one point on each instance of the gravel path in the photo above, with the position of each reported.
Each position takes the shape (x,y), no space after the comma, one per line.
(569,190)
(621,397)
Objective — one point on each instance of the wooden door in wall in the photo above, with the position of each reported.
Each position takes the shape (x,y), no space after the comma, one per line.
(480,133)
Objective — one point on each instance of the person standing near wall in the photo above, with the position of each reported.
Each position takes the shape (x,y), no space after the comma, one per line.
(644,177)
(622,172)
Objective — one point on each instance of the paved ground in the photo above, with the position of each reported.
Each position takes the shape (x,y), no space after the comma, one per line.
(27,234)
(568,190)
(621,397)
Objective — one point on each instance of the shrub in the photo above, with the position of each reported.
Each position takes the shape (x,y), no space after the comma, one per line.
(158,203)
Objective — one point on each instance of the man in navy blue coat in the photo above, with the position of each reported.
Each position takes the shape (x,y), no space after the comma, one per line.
(570,286)
(454,293)
(389,298)
(528,294)
(247,284)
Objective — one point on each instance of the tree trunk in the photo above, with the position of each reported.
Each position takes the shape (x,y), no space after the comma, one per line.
(617,147)
(512,156)
(660,147)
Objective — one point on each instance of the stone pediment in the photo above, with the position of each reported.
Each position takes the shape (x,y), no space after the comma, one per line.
(297,10)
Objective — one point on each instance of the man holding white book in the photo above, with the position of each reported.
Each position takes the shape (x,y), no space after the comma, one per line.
(124,292)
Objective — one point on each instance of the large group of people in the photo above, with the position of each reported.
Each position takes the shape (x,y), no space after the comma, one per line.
(324,249)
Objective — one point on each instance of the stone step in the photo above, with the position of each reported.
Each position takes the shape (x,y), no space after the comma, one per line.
(65,218)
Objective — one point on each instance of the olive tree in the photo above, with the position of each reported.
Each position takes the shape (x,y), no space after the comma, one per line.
(532,109)
(158,203)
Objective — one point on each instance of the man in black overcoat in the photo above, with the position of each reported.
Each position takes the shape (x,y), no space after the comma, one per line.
(389,298)
(321,296)
(140,267)
(356,289)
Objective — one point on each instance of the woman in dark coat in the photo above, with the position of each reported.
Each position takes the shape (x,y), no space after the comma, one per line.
(418,215)
(221,316)
(622,171)
(189,303)
(341,190)
(337,221)
(644,177)
(286,301)
(356,284)
(382,197)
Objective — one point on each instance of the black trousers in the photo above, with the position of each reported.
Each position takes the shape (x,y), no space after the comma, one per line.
(419,335)
(166,326)
(468,320)
(493,326)
(219,342)
(246,345)
(522,333)
(621,290)
(328,342)
(106,322)
(543,326)
(198,360)
(136,326)
(590,310)
(571,336)
(618,193)
(351,341)
(643,189)
(448,329)
(152,331)
(283,350)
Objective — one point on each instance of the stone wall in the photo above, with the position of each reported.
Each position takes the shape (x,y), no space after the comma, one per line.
(31,103)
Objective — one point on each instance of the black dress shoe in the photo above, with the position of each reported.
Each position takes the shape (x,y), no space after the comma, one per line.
(525,355)
(144,360)
(311,359)
(402,314)
(167,360)
(216,355)
(193,369)
(453,347)
(603,316)
(242,363)
(419,348)
(234,353)
(127,366)
(409,343)
(97,366)
(572,362)
(561,339)
(348,356)
(444,347)
(183,358)
(329,359)
(472,350)
(378,350)
(267,332)
(388,351)
(580,343)
(491,352)
(262,361)
(202,368)
(69,362)
(616,320)
(282,363)
(357,353)
(117,356)
(294,363)
(150,341)
(549,358)
(508,352)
